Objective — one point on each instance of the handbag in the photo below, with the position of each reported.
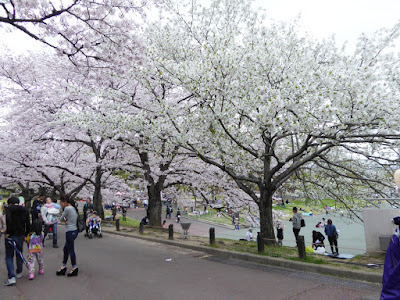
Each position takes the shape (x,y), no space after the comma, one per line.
(303,223)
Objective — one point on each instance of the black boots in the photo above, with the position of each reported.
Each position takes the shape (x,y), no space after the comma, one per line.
(73,273)
(62,272)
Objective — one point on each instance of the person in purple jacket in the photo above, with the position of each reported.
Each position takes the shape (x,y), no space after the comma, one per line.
(391,270)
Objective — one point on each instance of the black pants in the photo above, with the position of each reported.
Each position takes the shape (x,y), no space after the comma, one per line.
(35,216)
(333,241)
(86,226)
(296,232)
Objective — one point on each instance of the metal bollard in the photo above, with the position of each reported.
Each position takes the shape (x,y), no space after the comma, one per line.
(171,231)
(117,224)
(141,228)
(212,236)
(301,245)
(260,243)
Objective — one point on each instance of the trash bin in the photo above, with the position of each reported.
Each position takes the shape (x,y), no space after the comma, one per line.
(185,228)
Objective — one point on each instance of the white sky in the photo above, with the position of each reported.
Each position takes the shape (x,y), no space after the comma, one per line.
(346,19)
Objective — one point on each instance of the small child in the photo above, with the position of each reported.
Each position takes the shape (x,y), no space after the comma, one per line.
(93,221)
(35,248)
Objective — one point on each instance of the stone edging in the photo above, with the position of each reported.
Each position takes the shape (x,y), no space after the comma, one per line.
(265,260)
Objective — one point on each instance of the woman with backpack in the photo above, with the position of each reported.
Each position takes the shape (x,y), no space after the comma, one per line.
(331,232)
(70,217)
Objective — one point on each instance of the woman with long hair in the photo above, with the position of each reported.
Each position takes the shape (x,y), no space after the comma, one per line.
(331,232)
(70,217)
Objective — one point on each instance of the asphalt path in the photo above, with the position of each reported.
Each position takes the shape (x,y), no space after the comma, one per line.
(124,268)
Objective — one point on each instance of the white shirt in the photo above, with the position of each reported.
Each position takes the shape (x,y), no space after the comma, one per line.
(249,236)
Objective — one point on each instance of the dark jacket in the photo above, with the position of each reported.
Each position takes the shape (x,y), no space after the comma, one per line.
(330,230)
(318,236)
(17,221)
(88,208)
(36,206)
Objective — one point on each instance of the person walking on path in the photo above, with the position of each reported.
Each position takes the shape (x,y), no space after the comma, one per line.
(331,232)
(88,209)
(18,227)
(296,220)
(70,217)
(178,216)
(49,212)
(35,248)
(114,212)
(279,231)
(36,206)
(237,222)
(2,224)
(167,213)
(124,210)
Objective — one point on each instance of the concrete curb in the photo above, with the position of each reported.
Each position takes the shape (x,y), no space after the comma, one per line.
(265,260)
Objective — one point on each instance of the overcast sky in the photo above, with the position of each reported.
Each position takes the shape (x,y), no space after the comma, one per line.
(346,19)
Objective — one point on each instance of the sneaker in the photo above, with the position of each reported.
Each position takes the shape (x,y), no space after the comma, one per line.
(41,271)
(10,281)
(31,276)
(19,275)
(55,246)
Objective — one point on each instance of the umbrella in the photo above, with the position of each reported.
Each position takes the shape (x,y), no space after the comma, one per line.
(12,243)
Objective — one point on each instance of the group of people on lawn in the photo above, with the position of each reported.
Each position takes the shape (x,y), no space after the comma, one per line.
(298,222)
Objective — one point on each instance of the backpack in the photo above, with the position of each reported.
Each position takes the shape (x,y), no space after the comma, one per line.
(80,223)
(303,223)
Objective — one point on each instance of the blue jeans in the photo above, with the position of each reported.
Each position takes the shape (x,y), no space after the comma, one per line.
(69,247)
(19,241)
(54,228)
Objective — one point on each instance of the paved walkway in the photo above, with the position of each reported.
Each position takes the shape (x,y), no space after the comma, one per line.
(125,268)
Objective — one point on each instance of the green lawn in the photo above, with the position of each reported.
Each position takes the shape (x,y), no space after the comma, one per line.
(130,222)
(211,216)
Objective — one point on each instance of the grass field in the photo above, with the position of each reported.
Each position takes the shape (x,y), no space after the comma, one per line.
(130,222)
(211,216)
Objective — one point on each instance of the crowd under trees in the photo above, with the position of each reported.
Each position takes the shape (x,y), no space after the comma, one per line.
(201,99)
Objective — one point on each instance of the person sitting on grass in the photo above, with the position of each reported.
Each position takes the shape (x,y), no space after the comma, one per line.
(144,221)
(249,235)
(164,224)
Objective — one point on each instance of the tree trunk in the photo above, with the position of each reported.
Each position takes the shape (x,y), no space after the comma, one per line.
(27,193)
(154,208)
(97,197)
(266,220)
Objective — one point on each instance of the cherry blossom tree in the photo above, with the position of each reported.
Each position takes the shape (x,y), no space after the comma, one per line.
(39,103)
(262,102)
(75,28)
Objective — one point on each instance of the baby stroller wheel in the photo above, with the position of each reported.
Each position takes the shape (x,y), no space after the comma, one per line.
(90,236)
(100,235)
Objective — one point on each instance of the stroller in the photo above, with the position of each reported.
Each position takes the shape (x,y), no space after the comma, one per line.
(93,223)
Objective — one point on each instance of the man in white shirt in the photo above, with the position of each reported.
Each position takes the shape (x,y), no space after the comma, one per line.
(249,235)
